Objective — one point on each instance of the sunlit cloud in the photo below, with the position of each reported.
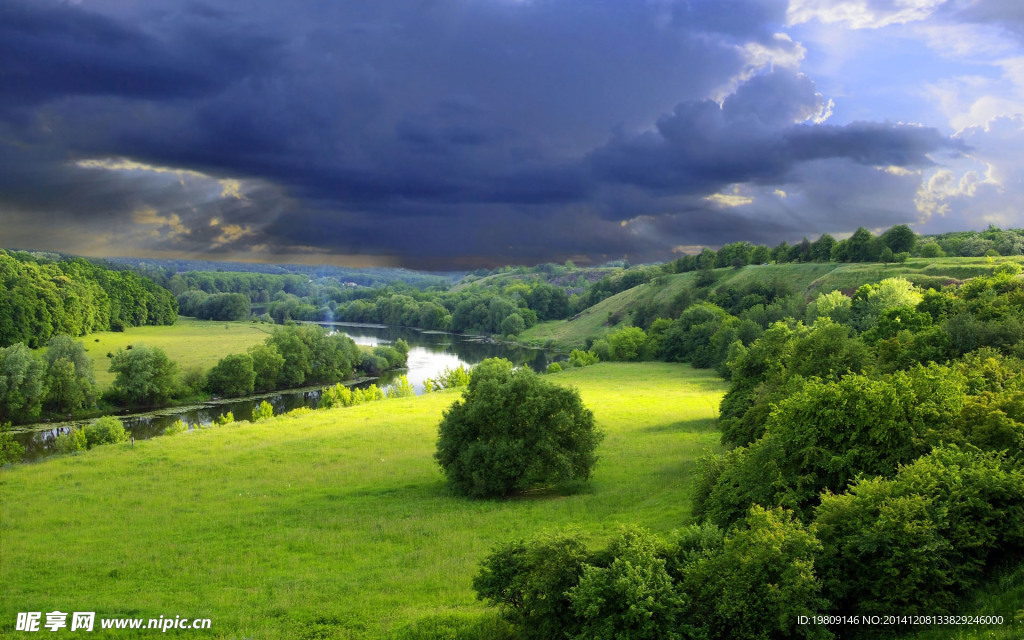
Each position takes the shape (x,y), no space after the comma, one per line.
(124,164)
(729,199)
(165,227)
(861,14)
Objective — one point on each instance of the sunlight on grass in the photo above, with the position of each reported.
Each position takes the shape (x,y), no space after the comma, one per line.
(338,520)
(189,342)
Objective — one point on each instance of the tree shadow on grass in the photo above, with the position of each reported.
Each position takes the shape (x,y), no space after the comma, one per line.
(700,425)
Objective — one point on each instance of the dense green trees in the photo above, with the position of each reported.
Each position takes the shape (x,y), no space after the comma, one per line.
(41,298)
(913,542)
(699,583)
(822,436)
(70,381)
(514,431)
(218,306)
(875,462)
(21,384)
(145,376)
(61,381)
(233,375)
(295,355)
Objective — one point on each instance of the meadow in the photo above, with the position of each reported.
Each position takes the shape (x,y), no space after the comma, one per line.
(333,524)
(190,342)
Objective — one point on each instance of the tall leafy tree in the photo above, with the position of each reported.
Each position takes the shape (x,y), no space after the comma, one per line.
(21,384)
(145,376)
(70,381)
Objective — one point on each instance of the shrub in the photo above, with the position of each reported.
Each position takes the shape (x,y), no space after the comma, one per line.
(554,367)
(911,543)
(10,449)
(633,597)
(337,396)
(177,427)
(263,412)
(760,581)
(105,430)
(512,431)
(530,582)
(71,442)
(192,381)
(371,393)
(400,388)
(223,419)
(579,358)
(447,379)
(373,365)
(627,343)
(392,356)
(602,350)
(1008,269)
(825,434)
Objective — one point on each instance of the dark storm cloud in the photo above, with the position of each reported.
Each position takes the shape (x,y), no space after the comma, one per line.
(49,51)
(758,134)
(452,130)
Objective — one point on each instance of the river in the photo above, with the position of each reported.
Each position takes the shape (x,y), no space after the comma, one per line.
(430,353)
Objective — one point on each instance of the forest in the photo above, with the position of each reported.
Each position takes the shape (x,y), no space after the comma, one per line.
(40,298)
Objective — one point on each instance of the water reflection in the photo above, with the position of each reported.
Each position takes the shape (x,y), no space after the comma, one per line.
(429,354)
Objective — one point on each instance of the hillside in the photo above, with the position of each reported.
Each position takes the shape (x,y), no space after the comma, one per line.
(809,279)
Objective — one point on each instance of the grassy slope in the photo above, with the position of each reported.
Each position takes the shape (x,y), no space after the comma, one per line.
(336,523)
(808,279)
(499,280)
(189,342)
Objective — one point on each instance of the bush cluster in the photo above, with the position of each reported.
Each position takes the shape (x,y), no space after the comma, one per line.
(752,582)
(513,431)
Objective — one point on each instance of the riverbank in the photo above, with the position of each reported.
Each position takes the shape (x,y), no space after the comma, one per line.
(330,524)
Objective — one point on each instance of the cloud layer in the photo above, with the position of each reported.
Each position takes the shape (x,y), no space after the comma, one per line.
(446,134)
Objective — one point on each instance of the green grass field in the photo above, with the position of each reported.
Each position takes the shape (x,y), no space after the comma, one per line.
(336,524)
(189,342)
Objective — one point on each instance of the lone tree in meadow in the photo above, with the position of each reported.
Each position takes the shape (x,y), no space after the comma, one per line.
(513,431)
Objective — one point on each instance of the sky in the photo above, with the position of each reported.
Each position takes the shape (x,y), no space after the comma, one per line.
(457,134)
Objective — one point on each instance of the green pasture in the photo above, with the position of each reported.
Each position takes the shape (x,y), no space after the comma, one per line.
(333,524)
(189,342)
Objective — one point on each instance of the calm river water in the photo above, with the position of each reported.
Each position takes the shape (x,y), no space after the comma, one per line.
(429,354)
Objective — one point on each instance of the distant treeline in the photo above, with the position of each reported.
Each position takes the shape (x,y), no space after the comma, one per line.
(282,298)
(41,297)
(162,271)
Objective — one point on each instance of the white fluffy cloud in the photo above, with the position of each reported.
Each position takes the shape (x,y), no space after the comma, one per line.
(984,187)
